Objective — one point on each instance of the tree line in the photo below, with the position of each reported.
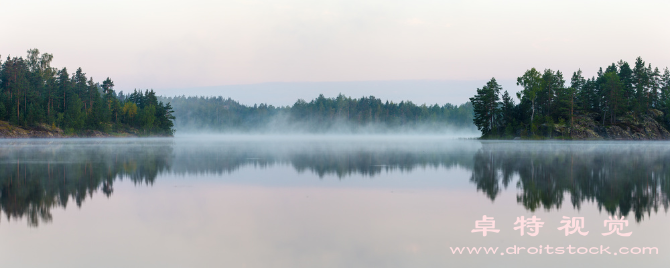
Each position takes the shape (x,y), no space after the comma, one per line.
(33,93)
(618,91)
(317,115)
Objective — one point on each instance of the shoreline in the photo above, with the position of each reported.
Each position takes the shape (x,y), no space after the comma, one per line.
(42,131)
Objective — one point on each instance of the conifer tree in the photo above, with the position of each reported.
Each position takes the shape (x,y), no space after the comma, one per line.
(485,105)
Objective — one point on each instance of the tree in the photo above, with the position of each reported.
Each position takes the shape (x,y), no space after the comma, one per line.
(507,111)
(626,77)
(74,114)
(485,105)
(80,86)
(576,85)
(664,100)
(531,81)
(654,87)
(107,85)
(129,112)
(612,95)
(64,87)
(640,83)
(15,81)
(552,84)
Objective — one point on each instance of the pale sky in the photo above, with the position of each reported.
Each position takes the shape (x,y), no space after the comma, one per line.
(182,46)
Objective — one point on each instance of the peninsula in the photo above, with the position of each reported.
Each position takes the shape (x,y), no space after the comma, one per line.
(37,100)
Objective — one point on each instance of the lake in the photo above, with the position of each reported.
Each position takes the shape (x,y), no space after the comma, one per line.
(333,201)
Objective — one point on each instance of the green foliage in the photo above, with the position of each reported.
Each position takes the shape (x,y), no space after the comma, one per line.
(33,92)
(74,114)
(612,92)
(486,110)
(545,99)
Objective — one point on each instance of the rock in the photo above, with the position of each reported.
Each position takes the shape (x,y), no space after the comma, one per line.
(617,133)
(626,127)
(46,131)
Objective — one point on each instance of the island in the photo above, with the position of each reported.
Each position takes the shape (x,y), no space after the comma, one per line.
(619,103)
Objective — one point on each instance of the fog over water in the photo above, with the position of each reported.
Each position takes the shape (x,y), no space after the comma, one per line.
(322,200)
(281,126)
(321,115)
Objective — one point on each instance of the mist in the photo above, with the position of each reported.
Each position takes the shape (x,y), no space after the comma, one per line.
(283,125)
(340,115)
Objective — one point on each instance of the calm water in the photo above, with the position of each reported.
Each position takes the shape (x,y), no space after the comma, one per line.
(262,201)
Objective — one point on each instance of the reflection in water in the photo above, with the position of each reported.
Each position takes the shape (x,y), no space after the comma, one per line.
(620,177)
(36,176)
(323,158)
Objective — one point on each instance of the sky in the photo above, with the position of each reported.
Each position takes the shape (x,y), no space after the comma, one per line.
(424,50)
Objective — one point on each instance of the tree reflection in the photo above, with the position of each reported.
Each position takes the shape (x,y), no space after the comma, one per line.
(363,161)
(620,178)
(36,179)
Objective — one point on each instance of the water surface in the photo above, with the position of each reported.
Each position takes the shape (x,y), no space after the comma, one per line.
(321,201)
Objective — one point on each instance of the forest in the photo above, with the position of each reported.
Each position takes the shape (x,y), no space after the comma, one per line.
(621,97)
(339,114)
(35,95)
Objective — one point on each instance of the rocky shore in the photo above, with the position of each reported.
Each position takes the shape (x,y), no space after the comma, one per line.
(8,131)
(627,127)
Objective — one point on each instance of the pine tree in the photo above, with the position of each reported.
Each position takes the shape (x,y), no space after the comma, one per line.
(626,77)
(640,83)
(612,95)
(664,100)
(576,85)
(486,109)
(507,112)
